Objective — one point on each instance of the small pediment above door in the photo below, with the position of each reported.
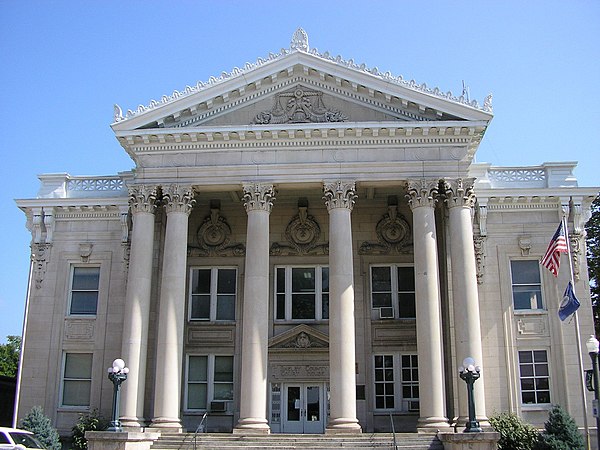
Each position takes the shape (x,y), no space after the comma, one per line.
(301,337)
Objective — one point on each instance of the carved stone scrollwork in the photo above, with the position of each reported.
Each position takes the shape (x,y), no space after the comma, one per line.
(299,106)
(393,234)
(339,194)
(479,244)
(482,214)
(36,225)
(178,198)
(85,251)
(49,224)
(525,245)
(299,40)
(302,233)
(40,255)
(422,192)
(142,199)
(126,253)
(258,196)
(575,242)
(459,192)
(214,236)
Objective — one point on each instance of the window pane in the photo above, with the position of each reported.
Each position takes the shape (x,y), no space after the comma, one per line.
(527,297)
(226,281)
(303,306)
(280,280)
(541,369)
(223,368)
(201,281)
(525,272)
(197,368)
(526,370)
(325,306)
(76,393)
(528,397)
(78,365)
(86,278)
(382,300)
(406,306)
(325,279)
(196,396)
(223,391)
(381,279)
(201,307)
(84,302)
(406,279)
(543,397)
(527,384)
(226,307)
(281,306)
(540,356)
(525,357)
(303,280)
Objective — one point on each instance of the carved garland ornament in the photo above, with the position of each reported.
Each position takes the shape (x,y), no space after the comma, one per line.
(393,234)
(303,233)
(214,236)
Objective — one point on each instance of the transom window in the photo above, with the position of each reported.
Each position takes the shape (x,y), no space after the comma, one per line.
(396,382)
(393,291)
(534,373)
(83,295)
(213,293)
(209,378)
(302,293)
(526,284)
(77,379)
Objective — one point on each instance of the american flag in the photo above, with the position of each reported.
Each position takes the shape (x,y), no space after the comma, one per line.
(558,245)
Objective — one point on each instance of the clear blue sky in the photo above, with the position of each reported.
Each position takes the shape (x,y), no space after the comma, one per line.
(63,64)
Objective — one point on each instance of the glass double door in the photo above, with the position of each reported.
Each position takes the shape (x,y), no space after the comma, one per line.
(304,410)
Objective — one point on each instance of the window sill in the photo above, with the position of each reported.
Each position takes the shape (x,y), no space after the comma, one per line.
(530,312)
(536,407)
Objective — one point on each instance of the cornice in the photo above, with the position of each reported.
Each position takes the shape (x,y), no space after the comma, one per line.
(79,205)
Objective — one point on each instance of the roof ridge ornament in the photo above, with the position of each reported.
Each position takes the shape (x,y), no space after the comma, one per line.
(299,40)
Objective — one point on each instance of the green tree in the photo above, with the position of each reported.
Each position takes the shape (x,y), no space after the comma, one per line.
(87,422)
(9,356)
(514,433)
(592,229)
(39,424)
(561,432)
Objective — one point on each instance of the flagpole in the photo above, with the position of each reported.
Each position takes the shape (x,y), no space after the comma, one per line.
(578,338)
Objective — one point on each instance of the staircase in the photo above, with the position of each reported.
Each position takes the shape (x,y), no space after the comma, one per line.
(222,441)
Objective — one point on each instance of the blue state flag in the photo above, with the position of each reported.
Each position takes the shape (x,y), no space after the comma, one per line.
(569,304)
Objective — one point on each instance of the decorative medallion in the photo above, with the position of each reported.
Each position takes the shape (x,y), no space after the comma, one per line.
(302,233)
(214,236)
(299,106)
(393,234)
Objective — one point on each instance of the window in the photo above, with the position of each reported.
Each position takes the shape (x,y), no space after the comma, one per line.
(393,291)
(534,376)
(77,379)
(302,293)
(213,294)
(396,382)
(209,378)
(84,290)
(526,284)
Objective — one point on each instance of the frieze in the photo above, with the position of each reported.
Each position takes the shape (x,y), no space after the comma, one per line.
(208,334)
(79,330)
(399,333)
(214,237)
(393,234)
(532,326)
(299,372)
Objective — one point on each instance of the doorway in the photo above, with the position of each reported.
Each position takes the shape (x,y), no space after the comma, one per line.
(304,408)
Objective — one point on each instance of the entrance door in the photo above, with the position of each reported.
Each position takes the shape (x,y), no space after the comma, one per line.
(304,410)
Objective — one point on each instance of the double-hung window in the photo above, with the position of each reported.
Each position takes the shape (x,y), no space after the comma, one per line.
(83,293)
(208,378)
(534,377)
(302,293)
(213,293)
(396,382)
(526,284)
(77,379)
(393,291)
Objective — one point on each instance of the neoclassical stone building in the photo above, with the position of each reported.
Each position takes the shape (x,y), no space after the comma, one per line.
(305,245)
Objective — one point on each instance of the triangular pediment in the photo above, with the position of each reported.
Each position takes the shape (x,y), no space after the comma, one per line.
(301,337)
(356,92)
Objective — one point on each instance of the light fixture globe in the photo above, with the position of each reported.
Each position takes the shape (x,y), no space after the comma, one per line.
(118,364)
(592,344)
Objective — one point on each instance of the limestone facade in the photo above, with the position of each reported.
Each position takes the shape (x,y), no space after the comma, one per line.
(306,245)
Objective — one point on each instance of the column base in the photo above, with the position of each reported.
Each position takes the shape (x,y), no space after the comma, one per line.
(171,424)
(343,425)
(132,423)
(252,426)
(433,424)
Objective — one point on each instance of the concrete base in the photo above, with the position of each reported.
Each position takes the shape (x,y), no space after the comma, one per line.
(470,441)
(125,440)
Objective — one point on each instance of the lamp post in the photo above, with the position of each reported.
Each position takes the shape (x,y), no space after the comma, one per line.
(117,374)
(593,348)
(470,372)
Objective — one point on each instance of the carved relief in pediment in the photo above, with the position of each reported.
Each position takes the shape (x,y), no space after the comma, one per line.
(393,234)
(302,337)
(299,106)
(302,233)
(214,238)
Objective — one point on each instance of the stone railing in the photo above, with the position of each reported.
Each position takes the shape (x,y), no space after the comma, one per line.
(63,185)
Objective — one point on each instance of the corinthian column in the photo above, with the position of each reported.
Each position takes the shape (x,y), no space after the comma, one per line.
(137,304)
(178,202)
(422,196)
(339,199)
(258,201)
(467,329)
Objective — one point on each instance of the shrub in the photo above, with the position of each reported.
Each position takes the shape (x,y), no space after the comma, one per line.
(87,422)
(41,425)
(561,432)
(514,433)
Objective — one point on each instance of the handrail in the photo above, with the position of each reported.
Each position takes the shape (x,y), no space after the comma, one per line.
(393,432)
(200,427)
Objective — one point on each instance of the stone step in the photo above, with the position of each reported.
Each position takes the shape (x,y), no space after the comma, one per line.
(218,441)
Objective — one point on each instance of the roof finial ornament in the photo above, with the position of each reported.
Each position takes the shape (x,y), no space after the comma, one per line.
(300,40)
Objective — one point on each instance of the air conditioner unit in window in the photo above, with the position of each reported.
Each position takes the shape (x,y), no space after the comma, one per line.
(386,313)
(218,406)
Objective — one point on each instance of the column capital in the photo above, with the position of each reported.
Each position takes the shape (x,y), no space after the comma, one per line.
(178,198)
(339,194)
(422,192)
(142,198)
(459,192)
(258,196)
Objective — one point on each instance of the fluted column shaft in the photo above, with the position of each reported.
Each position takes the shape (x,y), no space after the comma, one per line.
(178,202)
(258,201)
(422,198)
(467,322)
(137,304)
(339,199)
